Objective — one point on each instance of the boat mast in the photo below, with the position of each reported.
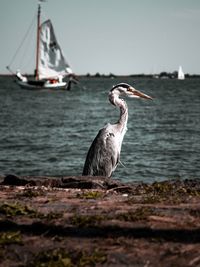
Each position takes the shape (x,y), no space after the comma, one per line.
(38,43)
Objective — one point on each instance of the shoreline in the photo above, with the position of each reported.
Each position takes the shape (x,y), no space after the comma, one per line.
(96,221)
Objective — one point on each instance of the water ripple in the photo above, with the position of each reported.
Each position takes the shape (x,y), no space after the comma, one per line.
(49,133)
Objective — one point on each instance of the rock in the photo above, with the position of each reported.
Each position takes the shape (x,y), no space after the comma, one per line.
(98,222)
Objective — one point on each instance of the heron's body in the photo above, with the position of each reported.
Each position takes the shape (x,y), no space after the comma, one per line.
(104,153)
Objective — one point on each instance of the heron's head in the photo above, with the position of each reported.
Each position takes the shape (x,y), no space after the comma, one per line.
(124,89)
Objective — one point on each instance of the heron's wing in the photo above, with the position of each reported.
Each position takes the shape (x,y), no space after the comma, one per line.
(103,155)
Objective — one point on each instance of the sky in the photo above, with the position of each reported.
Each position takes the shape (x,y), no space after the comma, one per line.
(109,36)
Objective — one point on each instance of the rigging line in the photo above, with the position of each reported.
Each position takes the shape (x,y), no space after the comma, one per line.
(28,51)
(25,36)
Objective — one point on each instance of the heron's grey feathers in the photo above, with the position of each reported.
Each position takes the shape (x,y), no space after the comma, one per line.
(102,157)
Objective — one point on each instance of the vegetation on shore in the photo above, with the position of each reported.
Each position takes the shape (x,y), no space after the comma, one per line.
(107,224)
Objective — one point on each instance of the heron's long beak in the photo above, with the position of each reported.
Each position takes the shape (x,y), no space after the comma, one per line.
(141,95)
(137,93)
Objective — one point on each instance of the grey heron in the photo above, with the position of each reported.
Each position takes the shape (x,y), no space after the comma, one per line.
(104,153)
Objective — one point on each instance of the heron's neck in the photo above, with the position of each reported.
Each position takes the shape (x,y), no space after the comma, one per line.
(116,101)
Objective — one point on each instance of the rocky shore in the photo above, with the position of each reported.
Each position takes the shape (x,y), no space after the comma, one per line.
(95,221)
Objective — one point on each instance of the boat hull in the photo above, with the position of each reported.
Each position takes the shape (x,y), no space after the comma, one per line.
(40,86)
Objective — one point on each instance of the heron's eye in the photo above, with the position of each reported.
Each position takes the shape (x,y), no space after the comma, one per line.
(129,89)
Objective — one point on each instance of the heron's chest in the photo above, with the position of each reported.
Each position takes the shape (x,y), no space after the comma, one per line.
(115,135)
(119,139)
(114,140)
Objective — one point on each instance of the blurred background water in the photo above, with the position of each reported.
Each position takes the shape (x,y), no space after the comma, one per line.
(49,132)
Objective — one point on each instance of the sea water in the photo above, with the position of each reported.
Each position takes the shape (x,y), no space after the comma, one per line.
(49,132)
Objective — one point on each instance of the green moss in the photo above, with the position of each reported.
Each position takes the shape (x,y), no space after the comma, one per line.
(167,188)
(91,195)
(86,259)
(51,258)
(192,192)
(152,199)
(61,258)
(31,193)
(138,215)
(49,216)
(162,188)
(195,213)
(171,192)
(14,209)
(86,220)
(10,238)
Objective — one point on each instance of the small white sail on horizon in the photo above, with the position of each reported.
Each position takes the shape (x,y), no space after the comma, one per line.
(51,60)
(181,75)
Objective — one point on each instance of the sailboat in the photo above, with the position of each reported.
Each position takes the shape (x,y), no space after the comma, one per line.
(181,75)
(51,66)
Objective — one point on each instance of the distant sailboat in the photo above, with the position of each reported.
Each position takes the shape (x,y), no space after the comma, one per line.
(181,75)
(51,66)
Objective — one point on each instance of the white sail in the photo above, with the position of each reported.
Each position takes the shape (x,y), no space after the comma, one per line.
(51,60)
(181,75)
